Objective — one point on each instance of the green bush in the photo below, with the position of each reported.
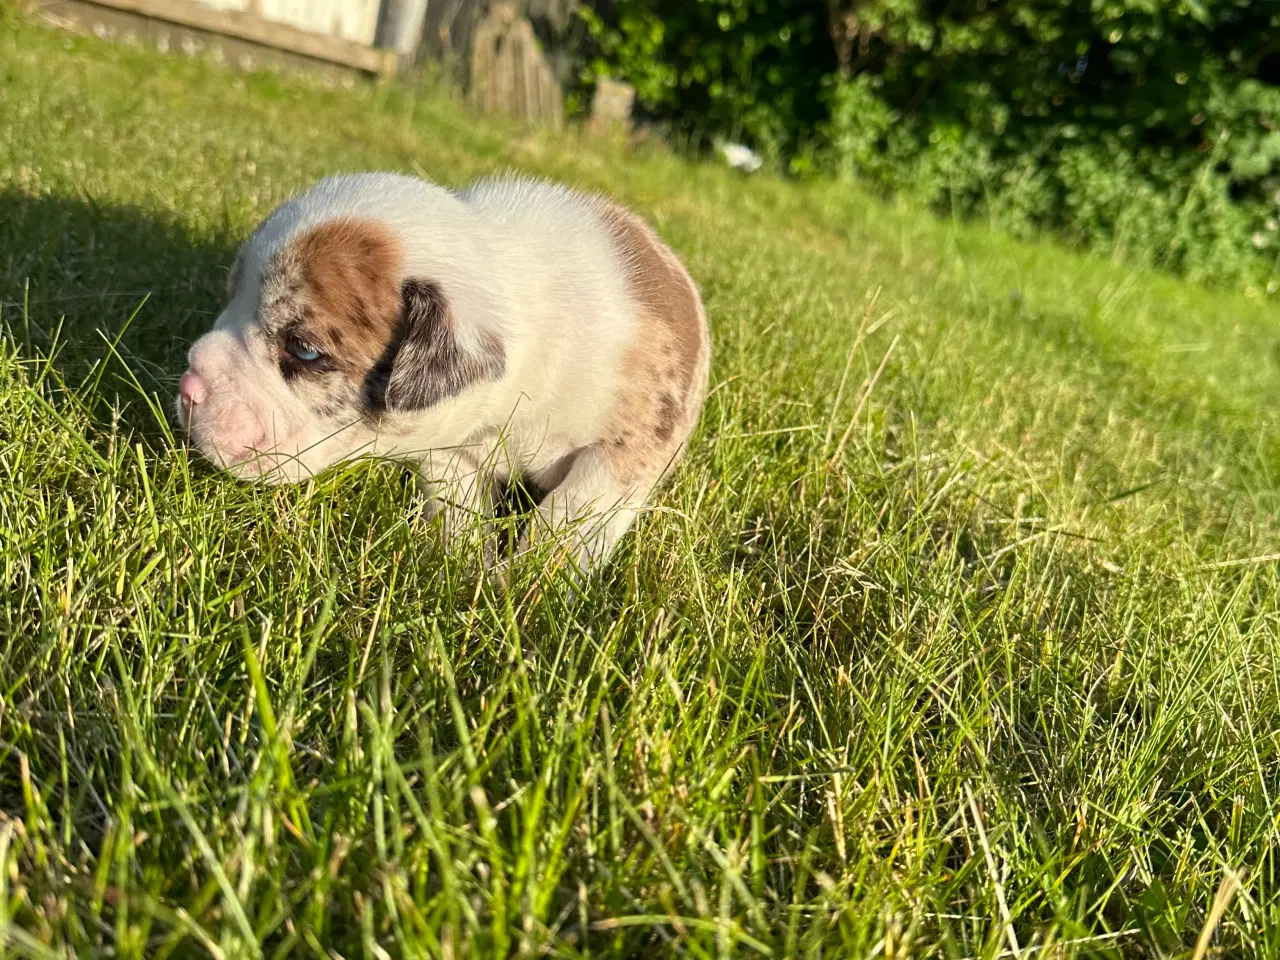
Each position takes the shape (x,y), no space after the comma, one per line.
(1143,128)
(739,68)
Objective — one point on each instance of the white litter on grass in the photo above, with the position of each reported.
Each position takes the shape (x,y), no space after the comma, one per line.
(741,157)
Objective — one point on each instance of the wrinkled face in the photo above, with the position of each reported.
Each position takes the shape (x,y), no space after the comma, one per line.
(322,343)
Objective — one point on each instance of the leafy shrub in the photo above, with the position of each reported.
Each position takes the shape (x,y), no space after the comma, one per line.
(1149,129)
(751,69)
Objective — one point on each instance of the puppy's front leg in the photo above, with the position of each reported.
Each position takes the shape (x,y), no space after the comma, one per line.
(460,490)
(588,513)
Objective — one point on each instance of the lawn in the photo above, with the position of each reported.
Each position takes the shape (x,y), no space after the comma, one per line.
(955,634)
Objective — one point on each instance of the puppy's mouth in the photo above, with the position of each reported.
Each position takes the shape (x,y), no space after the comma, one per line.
(266,457)
(230,439)
(245,462)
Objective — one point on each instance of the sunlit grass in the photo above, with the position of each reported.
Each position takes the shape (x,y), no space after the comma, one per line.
(955,634)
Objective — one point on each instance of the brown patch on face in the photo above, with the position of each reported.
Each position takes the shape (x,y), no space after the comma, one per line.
(665,370)
(348,279)
(382,344)
(335,289)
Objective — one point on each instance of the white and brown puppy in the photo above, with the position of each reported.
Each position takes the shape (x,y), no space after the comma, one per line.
(511,329)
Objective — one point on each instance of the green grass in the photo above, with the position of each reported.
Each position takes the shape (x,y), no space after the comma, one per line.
(955,633)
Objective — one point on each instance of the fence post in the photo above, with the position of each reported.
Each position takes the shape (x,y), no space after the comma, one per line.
(400,28)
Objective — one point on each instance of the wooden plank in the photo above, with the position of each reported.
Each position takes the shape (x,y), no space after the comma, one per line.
(245,26)
(353,20)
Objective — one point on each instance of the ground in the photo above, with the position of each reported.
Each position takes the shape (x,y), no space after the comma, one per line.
(954,635)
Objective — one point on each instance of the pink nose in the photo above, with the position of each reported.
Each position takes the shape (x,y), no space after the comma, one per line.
(192,390)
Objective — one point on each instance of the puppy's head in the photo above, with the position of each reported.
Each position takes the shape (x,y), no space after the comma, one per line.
(333,329)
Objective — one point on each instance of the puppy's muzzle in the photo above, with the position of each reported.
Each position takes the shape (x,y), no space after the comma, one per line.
(231,436)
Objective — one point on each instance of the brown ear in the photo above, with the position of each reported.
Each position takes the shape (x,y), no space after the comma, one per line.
(427,362)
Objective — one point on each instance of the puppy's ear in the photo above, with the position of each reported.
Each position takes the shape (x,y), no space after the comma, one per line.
(430,359)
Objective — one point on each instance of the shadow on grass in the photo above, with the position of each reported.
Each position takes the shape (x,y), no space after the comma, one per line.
(73,272)
(77,276)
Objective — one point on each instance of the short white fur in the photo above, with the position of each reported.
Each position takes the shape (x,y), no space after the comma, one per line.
(531,263)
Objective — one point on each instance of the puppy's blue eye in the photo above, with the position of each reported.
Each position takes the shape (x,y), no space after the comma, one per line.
(301,351)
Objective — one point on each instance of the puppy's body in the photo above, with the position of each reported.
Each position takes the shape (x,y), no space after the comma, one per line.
(515,328)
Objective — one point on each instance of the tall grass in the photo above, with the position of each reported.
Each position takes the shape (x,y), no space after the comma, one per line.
(955,634)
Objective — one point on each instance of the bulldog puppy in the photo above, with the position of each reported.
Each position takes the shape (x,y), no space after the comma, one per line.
(513,329)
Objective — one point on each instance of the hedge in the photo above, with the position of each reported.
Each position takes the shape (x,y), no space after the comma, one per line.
(1141,128)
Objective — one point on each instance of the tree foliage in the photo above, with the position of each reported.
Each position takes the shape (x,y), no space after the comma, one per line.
(1146,128)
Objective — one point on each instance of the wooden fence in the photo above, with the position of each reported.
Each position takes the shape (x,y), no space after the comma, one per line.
(503,51)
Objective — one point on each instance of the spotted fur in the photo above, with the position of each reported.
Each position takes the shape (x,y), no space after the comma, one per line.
(514,328)
(666,364)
